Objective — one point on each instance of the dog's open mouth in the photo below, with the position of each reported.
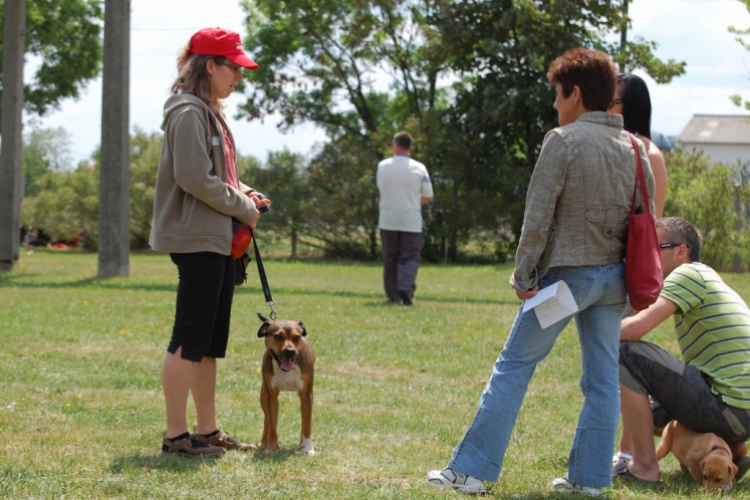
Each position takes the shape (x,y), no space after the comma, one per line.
(286,364)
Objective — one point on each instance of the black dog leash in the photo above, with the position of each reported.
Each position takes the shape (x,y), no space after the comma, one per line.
(263,278)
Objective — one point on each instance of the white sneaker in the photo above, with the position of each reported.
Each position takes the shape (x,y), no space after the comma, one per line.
(459,482)
(562,484)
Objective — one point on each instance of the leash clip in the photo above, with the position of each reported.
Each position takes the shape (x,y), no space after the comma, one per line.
(273,311)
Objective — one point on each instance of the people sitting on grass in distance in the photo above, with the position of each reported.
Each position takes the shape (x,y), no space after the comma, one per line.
(708,390)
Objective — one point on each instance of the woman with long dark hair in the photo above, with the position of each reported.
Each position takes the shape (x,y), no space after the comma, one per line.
(633,101)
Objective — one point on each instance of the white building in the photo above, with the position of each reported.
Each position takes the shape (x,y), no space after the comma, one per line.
(723,138)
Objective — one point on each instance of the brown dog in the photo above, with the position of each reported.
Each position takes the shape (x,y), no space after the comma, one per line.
(706,456)
(288,365)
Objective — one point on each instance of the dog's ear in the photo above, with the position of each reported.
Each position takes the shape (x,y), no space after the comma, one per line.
(304,331)
(696,469)
(733,470)
(263,330)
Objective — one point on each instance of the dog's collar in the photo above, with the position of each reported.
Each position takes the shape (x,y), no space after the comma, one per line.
(720,447)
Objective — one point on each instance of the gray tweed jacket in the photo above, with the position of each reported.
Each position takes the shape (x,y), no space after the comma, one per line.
(579,198)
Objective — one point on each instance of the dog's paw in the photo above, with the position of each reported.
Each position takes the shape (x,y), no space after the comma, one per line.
(306,446)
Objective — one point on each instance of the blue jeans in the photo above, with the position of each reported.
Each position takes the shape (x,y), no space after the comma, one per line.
(600,294)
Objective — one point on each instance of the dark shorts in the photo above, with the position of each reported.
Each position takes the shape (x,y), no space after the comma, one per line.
(679,392)
(204,304)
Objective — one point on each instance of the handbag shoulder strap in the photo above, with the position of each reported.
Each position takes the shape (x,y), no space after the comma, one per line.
(640,178)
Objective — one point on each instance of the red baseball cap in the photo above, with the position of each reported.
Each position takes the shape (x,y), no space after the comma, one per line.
(221,42)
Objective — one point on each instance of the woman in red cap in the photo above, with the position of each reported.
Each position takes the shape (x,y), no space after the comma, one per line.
(197,196)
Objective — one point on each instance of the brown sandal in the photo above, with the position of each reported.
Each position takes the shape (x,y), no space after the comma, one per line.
(190,447)
(222,439)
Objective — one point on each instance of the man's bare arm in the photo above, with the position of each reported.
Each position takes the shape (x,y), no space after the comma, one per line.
(635,327)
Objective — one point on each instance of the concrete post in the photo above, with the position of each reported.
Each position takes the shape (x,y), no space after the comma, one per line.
(114,185)
(11,129)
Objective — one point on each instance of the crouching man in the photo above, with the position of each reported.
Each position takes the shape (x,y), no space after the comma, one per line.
(709,389)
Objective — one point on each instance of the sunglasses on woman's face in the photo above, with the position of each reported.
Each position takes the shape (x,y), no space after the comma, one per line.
(233,67)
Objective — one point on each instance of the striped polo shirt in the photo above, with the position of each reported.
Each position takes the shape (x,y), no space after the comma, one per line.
(713,329)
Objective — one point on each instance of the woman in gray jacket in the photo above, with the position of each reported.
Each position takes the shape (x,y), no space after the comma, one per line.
(577,208)
(197,195)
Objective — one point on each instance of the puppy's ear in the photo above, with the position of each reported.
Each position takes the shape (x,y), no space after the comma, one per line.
(263,331)
(304,331)
(264,318)
(733,469)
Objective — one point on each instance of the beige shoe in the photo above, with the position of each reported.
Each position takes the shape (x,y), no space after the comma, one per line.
(190,447)
(223,440)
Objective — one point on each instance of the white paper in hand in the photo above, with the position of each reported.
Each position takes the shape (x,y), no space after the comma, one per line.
(551,304)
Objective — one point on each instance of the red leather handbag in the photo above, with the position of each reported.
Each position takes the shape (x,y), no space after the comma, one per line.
(643,271)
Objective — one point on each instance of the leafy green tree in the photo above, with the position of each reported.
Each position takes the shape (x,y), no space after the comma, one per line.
(145,150)
(741,38)
(716,199)
(44,150)
(501,50)
(67,201)
(467,79)
(342,207)
(283,180)
(65,35)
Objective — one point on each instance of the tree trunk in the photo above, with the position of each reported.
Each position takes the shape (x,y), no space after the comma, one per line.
(114,185)
(11,128)
(624,35)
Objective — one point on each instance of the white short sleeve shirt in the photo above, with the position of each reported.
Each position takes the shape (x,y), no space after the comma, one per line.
(401,181)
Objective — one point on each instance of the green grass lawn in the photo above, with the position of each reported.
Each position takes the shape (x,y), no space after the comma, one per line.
(82,414)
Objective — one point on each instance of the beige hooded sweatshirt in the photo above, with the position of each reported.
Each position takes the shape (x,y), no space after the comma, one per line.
(193,204)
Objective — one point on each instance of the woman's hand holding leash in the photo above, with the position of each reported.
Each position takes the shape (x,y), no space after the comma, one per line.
(262,205)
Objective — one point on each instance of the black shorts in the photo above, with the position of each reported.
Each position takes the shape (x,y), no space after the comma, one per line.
(204,304)
(679,392)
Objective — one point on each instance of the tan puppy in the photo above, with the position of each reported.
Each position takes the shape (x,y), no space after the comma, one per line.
(706,456)
(288,365)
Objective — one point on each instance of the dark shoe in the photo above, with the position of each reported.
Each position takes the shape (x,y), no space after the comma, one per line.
(405,297)
(743,465)
(222,439)
(187,446)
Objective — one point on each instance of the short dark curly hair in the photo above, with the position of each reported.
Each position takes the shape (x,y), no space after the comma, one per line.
(591,70)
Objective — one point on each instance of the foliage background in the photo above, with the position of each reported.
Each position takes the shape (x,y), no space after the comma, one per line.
(467,79)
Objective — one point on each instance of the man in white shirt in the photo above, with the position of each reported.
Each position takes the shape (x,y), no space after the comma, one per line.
(404,186)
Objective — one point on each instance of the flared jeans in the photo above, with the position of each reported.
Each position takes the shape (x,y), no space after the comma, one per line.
(600,294)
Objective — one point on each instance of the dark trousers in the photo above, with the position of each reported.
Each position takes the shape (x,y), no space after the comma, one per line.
(204,304)
(682,392)
(401,256)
